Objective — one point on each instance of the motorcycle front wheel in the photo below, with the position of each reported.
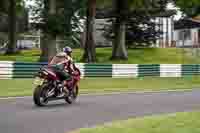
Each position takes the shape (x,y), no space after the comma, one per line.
(73,95)
(39,96)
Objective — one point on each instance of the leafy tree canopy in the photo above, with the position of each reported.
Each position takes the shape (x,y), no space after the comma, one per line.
(190,8)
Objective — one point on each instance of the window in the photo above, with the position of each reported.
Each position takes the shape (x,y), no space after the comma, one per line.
(185,35)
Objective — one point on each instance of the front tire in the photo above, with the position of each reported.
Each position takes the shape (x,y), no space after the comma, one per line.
(39,95)
(73,96)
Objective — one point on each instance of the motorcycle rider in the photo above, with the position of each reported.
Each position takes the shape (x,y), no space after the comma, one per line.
(70,67)
(63,65)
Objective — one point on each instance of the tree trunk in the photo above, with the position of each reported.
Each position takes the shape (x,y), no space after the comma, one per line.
(114,43)
(51,50)
(48,43)
(119,46)
(44,49)
(11,48)
(89,50)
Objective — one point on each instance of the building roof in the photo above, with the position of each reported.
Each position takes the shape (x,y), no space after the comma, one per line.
(187,23)
(197,18)
(110,13)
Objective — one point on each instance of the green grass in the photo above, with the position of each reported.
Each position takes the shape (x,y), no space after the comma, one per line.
(19,87)
(23,56)
(136,56)
(173,123)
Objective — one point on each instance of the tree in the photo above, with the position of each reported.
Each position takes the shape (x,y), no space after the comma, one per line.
(140,31)
(74,13)
(119,50)
(48,46)
(89,41)
(123,12)
(190,8)
(120,13)
(4,6)
(119,47)
(136,19)
(61,19)
(90,53)
(13,9)
(4,21)
(12,28)
(140,25)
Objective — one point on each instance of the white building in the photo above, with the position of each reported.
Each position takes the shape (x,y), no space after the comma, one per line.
(165,25)
(187,33)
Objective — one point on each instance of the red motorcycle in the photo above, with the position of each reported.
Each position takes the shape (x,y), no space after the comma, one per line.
(49,87)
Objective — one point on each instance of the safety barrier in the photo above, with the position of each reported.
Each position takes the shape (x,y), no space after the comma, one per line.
(27,70)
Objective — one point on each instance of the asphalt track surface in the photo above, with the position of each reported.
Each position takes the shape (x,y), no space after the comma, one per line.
(21,116)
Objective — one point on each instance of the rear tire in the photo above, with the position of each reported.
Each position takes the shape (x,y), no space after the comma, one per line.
(72,98)
(38,96)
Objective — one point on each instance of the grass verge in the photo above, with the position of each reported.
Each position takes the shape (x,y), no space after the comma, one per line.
(173,123)
(24,87)
(136,56)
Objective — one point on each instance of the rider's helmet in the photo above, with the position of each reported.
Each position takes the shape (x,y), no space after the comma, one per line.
(67,50)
